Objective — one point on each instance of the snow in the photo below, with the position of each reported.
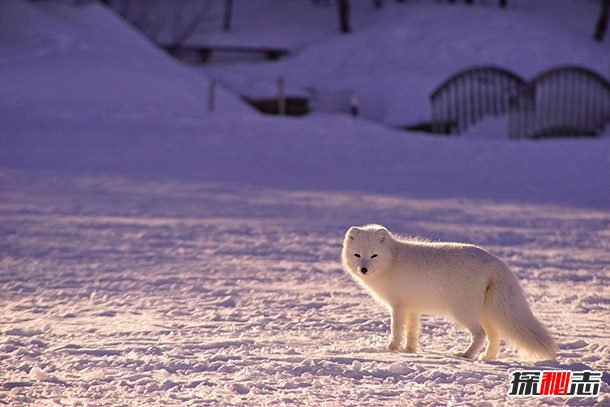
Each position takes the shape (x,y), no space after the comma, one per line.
(153,252)
(399,54)
(108,75)
(188,291)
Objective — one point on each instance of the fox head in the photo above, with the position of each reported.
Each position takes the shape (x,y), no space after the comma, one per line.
(366,250)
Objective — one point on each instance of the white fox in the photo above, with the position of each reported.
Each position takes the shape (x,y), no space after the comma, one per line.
(462,281)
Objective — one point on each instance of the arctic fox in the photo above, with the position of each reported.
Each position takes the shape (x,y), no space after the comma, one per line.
(462,281)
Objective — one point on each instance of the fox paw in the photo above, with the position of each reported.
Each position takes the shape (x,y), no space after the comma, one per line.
(395,346)
(463,355)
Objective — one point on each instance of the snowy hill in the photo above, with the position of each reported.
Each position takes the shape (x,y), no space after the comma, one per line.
(127,108)
(61,61)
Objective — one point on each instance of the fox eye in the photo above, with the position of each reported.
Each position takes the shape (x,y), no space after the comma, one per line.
(357,255)
(373,256)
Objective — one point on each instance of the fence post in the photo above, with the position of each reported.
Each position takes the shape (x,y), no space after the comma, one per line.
(212,95)
(354,105)
(228,12)
(281,96)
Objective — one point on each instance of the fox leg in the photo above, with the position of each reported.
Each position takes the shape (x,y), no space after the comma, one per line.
(493,342)
(477,337)
(398,327)
(412,332)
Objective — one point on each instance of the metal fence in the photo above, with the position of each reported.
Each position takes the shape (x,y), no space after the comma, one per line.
(564,101)
(469,95)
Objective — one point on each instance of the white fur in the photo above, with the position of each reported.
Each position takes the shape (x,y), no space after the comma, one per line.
(462,281)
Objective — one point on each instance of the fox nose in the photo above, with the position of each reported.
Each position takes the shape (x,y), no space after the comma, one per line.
(364,270)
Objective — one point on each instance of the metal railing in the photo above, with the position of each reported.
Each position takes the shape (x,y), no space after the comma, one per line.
(471,94)
(564,101)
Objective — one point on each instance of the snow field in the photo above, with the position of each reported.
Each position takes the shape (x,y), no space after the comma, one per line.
(145,292)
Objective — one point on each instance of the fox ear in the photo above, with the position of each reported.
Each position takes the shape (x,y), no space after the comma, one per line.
(382,234)
(352,232)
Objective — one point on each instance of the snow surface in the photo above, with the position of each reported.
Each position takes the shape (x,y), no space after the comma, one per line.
(152,252)
(117,291)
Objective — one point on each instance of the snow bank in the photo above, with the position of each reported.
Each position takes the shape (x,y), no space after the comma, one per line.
(60,60)
(84,92)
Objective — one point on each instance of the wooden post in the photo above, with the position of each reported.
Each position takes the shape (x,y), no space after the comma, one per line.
(228,12)
(344,16)
(212,96)
(354,105)
(602,21)
(281,96)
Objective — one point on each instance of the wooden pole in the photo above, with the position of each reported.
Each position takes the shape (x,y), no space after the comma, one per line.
(226,21)
(602,21)
(281,96)
(354,105)
(212,96)
(344,16)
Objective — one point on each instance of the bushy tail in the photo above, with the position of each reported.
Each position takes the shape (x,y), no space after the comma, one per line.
(511,315)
